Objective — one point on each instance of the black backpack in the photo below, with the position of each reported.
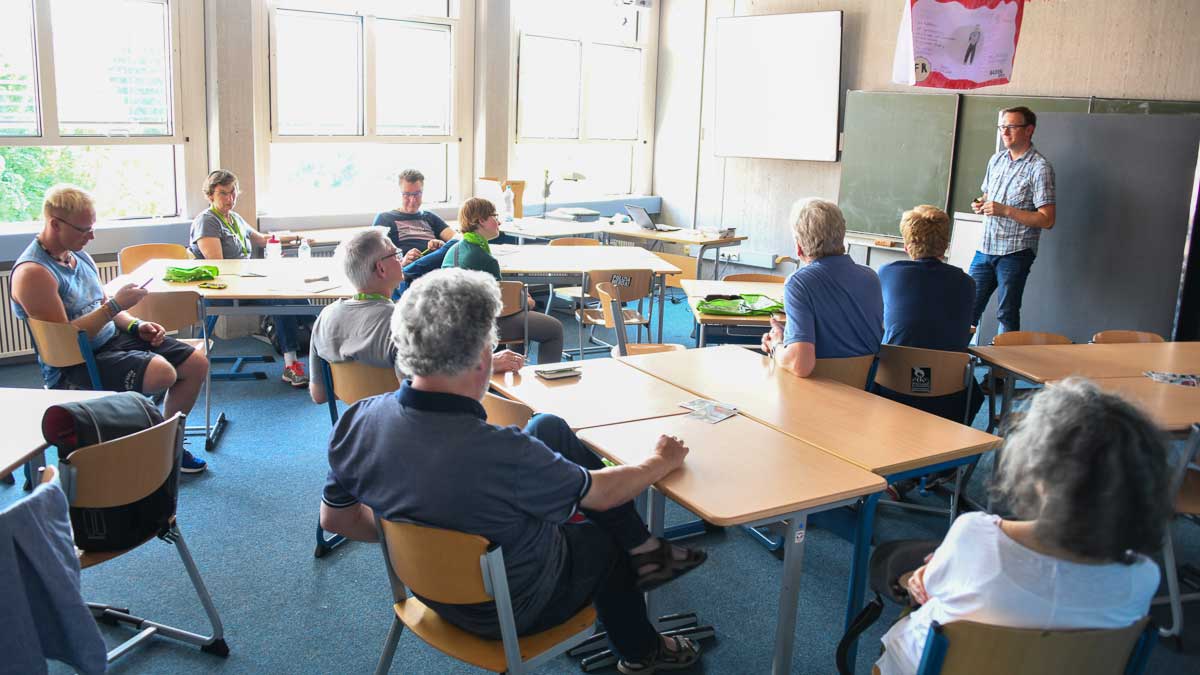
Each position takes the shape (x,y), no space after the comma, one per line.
(71,426)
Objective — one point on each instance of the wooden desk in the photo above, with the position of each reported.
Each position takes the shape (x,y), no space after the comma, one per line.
(870,431)
(281,279)
(741,472)
(1042,363)
(685,237)
(1173,408)
(549,228)
(697,289)
(24,409)
(608,392)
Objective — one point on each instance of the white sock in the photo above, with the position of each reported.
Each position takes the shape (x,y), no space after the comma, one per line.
(289,358)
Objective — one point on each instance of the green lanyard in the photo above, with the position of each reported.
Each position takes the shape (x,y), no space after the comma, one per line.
(235,229)
(478,240)
(371,296)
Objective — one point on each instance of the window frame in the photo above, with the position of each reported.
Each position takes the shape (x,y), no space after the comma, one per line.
(642,147)
(461,24)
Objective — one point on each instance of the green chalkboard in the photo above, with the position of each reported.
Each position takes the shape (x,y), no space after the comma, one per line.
(897,153)
(1136,107)
(976,138)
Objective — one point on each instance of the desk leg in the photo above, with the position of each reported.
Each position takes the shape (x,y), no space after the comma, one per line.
(789,593)
(655,515)
(863,530)
(700,337)
(662,297)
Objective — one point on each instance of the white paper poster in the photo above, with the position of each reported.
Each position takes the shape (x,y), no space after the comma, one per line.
(957,44)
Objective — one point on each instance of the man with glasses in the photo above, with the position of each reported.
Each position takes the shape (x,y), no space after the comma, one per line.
(408,226)
(359,328)
(54,280)
(1017,204)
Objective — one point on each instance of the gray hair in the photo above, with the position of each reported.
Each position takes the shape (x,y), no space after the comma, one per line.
(358,255)
(444,321)
(411,176)
(1092,471)
(818,227)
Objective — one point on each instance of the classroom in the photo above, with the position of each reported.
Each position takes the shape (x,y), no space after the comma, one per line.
(760,354)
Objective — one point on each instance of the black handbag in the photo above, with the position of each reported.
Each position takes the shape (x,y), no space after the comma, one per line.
(70,426)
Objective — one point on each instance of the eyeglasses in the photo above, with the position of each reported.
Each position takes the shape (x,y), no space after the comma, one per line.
(396,253)
(1010,127)
(80,230)
(412,195)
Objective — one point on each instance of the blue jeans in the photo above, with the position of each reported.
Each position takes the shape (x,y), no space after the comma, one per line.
(422,266)
(1008,273)
(286,325)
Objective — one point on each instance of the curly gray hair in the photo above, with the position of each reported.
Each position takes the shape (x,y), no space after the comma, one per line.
(444,321)
(1091,469)
(818,227)
(358,255)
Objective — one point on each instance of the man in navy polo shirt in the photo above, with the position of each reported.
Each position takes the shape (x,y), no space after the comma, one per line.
(834,306)
(426,454)
(408,226)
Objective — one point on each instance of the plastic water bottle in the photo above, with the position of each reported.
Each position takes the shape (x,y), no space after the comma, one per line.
(274,248)
(305,251)
(508,203)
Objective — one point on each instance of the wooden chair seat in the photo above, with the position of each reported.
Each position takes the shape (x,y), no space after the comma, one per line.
(1188,499)
(595,317)
(635,348)
(1110,337)
(481,652)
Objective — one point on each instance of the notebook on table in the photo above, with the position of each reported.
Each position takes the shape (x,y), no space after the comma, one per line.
(643,221)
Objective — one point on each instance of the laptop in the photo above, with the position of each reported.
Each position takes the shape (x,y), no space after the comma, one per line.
(643,221)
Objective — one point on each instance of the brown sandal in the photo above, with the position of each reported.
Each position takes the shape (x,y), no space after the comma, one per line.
(663,565)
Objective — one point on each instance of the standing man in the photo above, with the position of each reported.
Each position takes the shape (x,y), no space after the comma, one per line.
(1017,204)
(408,226)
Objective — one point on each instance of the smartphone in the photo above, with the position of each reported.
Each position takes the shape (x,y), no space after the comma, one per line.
(146,282)
(558,373)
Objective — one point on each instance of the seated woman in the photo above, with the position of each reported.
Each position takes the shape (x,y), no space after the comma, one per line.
(219,233)
(927,304)
(477,219)
(1086,475)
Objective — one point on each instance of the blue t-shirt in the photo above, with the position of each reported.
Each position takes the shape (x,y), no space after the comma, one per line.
(432,458)
(927,304)
(411,230)
(835,304)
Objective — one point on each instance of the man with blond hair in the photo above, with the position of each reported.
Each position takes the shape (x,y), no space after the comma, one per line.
(834,306)
(55,280)
(927,303)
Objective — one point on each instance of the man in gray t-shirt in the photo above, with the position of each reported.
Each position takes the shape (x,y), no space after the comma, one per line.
(359,328)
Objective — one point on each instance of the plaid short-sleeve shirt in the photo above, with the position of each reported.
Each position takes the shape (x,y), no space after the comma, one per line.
(1027,184)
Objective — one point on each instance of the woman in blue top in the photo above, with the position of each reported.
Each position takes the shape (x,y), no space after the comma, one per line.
(219,233)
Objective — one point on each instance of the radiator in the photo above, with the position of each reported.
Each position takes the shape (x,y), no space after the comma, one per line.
(14,337)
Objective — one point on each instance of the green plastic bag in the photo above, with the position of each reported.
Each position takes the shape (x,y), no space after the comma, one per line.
(748,304)
(185,274)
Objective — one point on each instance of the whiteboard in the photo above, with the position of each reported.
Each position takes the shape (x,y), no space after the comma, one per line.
(778,78)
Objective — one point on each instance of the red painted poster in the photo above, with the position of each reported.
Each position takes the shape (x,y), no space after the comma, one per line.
(957,44)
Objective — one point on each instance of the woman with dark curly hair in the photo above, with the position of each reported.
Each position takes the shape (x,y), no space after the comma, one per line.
(1086,476)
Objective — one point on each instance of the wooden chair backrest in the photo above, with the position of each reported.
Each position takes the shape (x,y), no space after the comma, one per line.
(354,381)
(173,310)
(605,293)
(628,285)
(980,649)
(512,297)
(947,370)
(687,263)
(441,565)
(749,276)
(504,412)
(57,343)
(1109,337)
(852,371)
(126,470)
(132,257)
(1029,337)
(574,241)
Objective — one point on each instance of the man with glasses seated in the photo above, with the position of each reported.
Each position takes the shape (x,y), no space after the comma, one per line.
(359,328)
(55,280)
(408,226)
(1017,204)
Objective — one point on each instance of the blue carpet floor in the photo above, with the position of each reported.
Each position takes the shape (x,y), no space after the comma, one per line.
(250,524)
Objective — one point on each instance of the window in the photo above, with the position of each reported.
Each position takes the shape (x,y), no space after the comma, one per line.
(95,107)
(386,91)
(581,95)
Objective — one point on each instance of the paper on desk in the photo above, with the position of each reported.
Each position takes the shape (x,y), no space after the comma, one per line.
(1182,379)
(709,411)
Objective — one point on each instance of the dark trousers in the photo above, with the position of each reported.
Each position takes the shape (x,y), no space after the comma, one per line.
(1008,273)
(286,325)
(597,568)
